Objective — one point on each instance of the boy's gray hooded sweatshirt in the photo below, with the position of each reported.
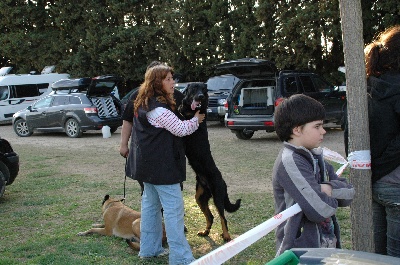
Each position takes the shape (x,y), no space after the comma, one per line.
(297,175)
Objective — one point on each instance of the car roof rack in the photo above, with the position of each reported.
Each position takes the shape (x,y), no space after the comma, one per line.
(296,71)
(72,85)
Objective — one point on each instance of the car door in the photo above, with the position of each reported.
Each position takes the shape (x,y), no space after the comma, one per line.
(333,100)
(37,117)
(290,86)
(317,88)
(308,87)
(56,112)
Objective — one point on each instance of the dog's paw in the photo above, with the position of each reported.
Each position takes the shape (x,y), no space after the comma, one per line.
(203,233)
(226,238)
(134,239)
(81,234)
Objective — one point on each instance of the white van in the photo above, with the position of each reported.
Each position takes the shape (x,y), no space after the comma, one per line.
(19,91)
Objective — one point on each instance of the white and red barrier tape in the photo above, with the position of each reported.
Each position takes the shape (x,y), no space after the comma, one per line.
(233,247)
(357,159)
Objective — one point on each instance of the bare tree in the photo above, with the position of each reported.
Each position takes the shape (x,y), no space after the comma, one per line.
(357,107)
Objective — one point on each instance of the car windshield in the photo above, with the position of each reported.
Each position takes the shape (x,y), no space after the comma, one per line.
(226,82)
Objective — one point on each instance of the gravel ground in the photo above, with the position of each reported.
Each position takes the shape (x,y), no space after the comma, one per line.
(242,162)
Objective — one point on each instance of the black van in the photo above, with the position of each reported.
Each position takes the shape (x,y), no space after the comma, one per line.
(251,105)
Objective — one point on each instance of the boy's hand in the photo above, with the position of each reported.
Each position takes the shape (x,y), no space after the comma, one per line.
(327,189)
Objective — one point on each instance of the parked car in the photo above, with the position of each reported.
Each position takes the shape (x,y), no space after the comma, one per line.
(126,98)
(74,106)
(181,86)
(219,88)
(251,105)
(9,165)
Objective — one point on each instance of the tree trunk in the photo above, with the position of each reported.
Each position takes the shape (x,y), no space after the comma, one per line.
(357,107)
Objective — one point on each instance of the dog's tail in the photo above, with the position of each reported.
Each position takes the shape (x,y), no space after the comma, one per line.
(229,207)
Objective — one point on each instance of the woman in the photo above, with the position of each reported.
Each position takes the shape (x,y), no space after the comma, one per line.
(382,58)
(159,162)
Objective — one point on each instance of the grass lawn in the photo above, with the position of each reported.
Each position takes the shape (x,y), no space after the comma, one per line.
(60,187)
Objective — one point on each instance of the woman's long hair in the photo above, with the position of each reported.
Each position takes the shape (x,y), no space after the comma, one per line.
(383,54)
(153,87)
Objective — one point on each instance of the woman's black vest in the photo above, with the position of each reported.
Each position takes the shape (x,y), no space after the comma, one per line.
(156,155)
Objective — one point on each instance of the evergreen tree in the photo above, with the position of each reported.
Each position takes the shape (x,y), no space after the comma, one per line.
(95,37)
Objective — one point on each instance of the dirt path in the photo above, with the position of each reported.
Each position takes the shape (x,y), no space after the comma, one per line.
(245,165)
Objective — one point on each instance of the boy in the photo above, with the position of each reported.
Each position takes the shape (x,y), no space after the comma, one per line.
(301,176)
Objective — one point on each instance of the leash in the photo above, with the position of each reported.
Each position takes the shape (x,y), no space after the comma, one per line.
(126,163)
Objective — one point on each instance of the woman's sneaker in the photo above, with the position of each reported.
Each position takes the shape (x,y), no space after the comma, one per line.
(162,254)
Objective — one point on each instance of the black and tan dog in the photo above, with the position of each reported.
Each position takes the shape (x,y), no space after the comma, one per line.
(120,221)
(209,181)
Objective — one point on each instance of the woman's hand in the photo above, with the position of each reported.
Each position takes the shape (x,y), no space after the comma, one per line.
(124,151)
(200,117)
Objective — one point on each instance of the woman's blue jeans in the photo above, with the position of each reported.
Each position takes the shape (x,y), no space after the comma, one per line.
(168,197)
(386,218)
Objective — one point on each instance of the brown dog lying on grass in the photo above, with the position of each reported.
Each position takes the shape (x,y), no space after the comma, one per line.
(120,221)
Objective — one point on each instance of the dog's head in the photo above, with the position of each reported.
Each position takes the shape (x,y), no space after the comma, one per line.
(195,98)
(108,200)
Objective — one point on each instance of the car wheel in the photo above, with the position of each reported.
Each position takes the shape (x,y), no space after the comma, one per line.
(72,128)
(21,128)
(244,134)
(113,129)
(4,170)
(2,184)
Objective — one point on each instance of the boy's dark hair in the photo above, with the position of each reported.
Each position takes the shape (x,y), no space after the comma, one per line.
(295,111)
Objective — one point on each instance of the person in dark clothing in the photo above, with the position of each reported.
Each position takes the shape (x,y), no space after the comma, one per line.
(157,158)
(127,124)
(382,58)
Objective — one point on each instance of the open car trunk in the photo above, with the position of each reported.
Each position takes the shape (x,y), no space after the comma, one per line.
(98,90)
(254,94)
(254,97)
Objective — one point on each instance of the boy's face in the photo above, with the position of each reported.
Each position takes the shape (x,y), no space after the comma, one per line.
(309,135)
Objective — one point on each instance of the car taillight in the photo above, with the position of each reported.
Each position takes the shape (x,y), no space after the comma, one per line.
(226,105)
(269,123)
(90,110)
(231,123)
(278,101)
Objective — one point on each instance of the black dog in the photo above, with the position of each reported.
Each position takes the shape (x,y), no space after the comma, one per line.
(209,181)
